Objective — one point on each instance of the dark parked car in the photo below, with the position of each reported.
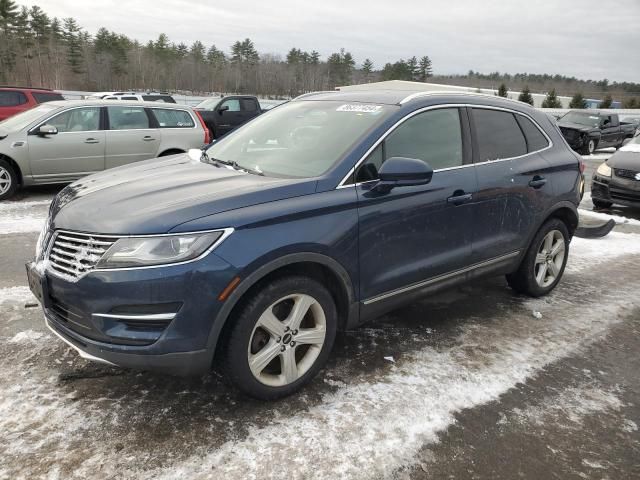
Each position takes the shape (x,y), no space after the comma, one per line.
(618,179)
(18,99)
(587,131)
(222,115)
(327,212)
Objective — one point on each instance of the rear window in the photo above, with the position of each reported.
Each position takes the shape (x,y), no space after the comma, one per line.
(499,135)
(535,139)
(42,97)
(169,118)
(12,99)
(158,98)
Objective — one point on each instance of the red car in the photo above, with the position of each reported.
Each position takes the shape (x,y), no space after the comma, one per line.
(18,99)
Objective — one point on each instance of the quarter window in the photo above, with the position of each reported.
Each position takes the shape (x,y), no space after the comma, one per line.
(172,118)
(127,118)
(12,99)
(535,139)
(77,120)
(434,137)
(499,135)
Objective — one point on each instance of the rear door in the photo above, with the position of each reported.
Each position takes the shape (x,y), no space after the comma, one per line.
(131,135)
(76,150)
(12,102)
(514,181)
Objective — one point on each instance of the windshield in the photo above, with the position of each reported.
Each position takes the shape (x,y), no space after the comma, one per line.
(209,103)
(300,139)
(22,119)
(582,119)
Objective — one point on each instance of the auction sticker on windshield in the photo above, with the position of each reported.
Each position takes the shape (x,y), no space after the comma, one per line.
(361,108)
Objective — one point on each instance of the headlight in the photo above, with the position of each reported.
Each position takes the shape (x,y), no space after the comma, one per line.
(145,251)
(604,170)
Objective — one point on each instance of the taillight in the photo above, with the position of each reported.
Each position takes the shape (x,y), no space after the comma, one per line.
(207,134)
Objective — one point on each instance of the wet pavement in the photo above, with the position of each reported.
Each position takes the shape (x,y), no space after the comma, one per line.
(475,382)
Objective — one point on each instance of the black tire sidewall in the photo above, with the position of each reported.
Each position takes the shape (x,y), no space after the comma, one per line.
(14,180)
(235,363)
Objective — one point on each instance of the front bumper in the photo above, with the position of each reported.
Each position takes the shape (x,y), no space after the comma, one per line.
(616,190)
(116,316)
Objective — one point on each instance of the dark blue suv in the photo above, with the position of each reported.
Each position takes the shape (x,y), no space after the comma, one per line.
(315,217)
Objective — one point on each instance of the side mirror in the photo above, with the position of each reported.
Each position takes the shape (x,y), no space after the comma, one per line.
(403,172)
(47,130)
(222,109)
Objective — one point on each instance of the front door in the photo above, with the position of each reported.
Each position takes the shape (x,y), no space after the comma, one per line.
(228,116)
(130,136)
(412,234)
(76,150)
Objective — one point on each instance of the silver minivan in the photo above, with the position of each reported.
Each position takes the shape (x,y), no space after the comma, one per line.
(59,142)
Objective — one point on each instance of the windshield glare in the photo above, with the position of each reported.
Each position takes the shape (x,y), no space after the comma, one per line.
(582,119)
(300,139)
(209,103)
(23,119)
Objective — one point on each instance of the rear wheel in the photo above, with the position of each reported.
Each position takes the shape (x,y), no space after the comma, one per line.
(544,263)
(281,338)
(8,180)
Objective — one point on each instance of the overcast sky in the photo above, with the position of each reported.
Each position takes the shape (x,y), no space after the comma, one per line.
(590,39)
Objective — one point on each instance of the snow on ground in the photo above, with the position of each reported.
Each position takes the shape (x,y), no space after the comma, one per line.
(606,216)
(16,295)
(585,253)
(20,217)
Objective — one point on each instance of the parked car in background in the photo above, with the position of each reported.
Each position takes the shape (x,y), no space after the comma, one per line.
(617,180)
(585,131)
(633,120)
(224,114)
(326,212)
(59,142)
(14,100)
(140,97)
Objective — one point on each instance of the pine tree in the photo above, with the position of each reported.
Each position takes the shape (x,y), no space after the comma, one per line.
(632,102)
(606,101)
(39,24)
(551,101)
(502,91)
(425,69)
(367,66)
(414,70)
(8,15)
(72,40)
(578,101)
(525,96)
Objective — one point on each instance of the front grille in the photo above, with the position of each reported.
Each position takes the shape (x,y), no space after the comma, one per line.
(75,254)
(626,195)
(568,133)
(622,173)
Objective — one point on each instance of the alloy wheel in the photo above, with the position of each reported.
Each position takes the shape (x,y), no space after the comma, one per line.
(286,340)
(550,258)
(592,146)
(5,180)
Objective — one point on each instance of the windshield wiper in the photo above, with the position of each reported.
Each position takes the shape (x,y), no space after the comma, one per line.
(237,166)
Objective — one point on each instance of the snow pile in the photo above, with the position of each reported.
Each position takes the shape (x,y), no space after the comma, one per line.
(21,217)
(605,216)
(585,253)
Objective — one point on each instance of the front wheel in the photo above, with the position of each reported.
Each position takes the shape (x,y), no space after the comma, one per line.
(544,263)
(589,148)
(281,338)
(8,180)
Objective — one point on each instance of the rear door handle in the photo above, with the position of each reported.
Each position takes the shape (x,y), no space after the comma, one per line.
(537,182)
(459,198)
(91,140)
(148,138)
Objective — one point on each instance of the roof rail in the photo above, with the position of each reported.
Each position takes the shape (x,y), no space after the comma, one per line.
(26,88)
(448,92)
(311,94)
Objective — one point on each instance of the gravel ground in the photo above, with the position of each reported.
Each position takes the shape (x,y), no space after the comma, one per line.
(475,382)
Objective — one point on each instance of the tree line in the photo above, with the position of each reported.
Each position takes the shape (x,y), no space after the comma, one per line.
(39,50)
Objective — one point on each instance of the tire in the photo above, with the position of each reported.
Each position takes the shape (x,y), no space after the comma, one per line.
(601,203)
(255,359)
(589,148)
(541,262)
(8,180)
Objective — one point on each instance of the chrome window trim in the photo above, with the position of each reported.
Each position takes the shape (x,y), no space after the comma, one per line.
(439,278)
(434,107)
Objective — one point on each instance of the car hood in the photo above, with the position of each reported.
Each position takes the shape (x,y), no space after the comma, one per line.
(628,158)
(575,126)
(157,195)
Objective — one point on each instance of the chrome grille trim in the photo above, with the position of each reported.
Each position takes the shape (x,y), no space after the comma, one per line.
(75,254)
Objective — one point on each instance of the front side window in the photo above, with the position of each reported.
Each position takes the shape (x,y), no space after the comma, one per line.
(127,118)
(172,118)
(300,139)
(12,99)
(435,137)
(77,120)
(499,135)
(233,104)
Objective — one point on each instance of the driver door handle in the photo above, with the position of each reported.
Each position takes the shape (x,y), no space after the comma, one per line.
(459,197)
(91,140)
(148,138)
(537,182)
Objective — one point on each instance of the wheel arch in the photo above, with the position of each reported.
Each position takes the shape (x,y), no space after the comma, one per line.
(333,275)
(171,151)
(15,167)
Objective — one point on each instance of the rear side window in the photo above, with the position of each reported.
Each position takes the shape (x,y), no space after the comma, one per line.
(127,118)
(12,99)
(169,118)
(535,139)
(42,97)
(249,104)
(499,135)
